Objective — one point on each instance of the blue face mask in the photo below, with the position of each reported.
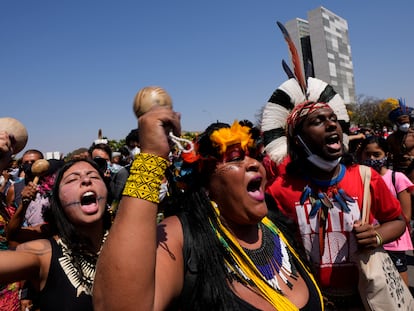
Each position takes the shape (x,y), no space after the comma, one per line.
(376,164)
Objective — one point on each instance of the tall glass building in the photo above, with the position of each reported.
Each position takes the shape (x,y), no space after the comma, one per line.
(323,40)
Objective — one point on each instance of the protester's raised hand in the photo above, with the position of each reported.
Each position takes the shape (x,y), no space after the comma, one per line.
(154,128)
(6,149)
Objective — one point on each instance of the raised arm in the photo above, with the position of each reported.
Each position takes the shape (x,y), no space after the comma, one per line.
(30,261)
(6,149)
(15,232)
(126,269)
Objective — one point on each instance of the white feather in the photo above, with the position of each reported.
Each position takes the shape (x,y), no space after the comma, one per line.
(274,116)
(315,88)
(277,149)
(292,88)
(345,141)
(338,106)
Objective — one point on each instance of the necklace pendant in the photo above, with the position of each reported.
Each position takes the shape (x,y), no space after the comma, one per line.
(325,199)
(345,196)
(305,194)
(341,202)
(316,205)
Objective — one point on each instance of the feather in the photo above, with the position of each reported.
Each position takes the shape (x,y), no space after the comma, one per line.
(316,205)
(324,199)
(287,70)
(274,116)
(277,149)
(305,194)
(345,195)
(100,139)
(295,58)
(403,106)
(341,202)
(309,70)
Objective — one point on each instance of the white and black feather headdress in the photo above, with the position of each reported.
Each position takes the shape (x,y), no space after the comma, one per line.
(298,89)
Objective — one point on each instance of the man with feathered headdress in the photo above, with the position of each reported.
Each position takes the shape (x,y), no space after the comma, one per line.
(401,141)
(304,124)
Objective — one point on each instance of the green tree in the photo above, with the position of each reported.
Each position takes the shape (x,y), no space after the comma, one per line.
(371,111)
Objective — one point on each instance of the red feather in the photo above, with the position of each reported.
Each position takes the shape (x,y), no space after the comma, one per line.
(297,68)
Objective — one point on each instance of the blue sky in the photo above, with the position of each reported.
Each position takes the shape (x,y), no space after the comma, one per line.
(70,68)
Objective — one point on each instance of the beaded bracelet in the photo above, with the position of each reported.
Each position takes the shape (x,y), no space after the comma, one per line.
(145,177)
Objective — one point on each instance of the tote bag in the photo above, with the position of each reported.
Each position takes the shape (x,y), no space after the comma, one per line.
(380,285)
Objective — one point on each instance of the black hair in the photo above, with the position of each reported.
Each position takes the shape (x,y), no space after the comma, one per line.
(211,288)
(101,146)
(133,136)
(380,141)
(35,151)
(59,222)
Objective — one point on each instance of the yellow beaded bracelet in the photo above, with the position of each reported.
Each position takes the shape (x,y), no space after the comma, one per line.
(146,175)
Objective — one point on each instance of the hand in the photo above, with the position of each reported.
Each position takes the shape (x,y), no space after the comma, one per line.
(29,192)
(6,149)
(154,127)
(366,235)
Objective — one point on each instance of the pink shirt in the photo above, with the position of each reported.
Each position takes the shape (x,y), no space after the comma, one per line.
(404,243)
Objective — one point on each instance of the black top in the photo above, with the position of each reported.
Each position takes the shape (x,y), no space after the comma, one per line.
(59,293)
(191,274)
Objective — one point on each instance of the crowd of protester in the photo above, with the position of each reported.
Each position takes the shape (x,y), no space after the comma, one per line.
(39,224)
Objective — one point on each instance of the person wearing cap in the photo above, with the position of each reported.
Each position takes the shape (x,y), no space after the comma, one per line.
(401,141)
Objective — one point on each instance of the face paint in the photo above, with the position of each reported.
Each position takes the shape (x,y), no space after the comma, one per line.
(78,203)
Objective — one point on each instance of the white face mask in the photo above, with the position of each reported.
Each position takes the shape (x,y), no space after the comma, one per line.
(326,165)
(404,127)
(323,164)
(135,151)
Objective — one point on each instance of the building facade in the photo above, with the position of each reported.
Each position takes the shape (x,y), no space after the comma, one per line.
(323,41)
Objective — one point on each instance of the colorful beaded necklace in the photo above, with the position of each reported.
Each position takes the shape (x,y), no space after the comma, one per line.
(321,201)
(243,267)
(272,258)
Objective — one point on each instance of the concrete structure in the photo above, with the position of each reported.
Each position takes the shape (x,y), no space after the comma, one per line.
(54,155)
(324,41)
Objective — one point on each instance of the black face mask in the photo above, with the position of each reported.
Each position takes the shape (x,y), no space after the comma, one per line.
(102,164)
(27,169)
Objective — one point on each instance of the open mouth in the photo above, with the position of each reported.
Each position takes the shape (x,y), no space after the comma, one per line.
(254,185)
(254,189)
(88,198)
(333,142)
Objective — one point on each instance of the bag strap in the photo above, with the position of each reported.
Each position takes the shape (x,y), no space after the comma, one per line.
(393,181)
(365,172)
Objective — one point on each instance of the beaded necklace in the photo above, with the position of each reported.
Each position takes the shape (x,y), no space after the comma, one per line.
(321,201)
(272,258)
(244,269)
(82,276)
